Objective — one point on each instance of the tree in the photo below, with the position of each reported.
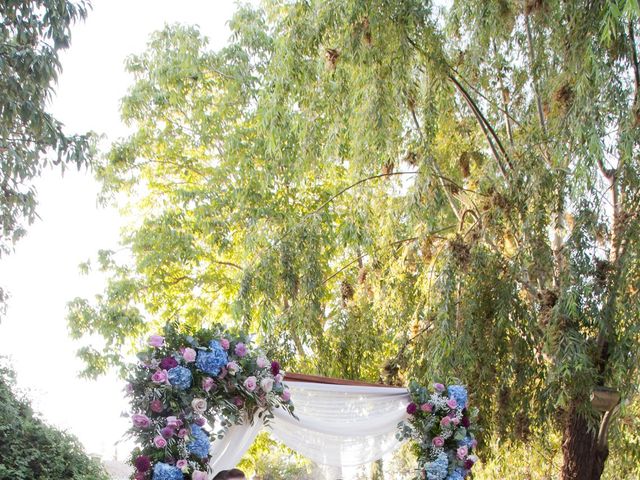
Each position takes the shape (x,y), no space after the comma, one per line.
(32,450)
(381,189)
(32,34)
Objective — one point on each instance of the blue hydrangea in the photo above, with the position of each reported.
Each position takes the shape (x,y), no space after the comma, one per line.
(213,361)
(180,377)
(457,474)
(163,471)
(466,442)
(439,468)
(199,445)
(459,393)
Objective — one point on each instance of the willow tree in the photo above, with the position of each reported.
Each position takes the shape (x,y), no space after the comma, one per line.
(384,190)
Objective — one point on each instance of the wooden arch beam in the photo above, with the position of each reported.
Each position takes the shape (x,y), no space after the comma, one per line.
(299,377)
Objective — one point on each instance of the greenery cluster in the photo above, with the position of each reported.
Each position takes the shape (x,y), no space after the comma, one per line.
(384,190)
(32,450)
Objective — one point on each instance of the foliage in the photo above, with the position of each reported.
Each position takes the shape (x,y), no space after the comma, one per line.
(387,190)
(32,34)
(268,460)
(442,426)
(184,382)
(32,450)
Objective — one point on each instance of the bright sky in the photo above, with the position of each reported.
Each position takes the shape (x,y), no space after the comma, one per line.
(42,275)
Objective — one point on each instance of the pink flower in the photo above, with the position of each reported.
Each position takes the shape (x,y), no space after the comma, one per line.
(224,343)
(199,405)
(412,408)
(174,422)
(139,476)
(438,442)
(182,433)
(250,383)
(182,464)
(451,403)
(200,421)
(426,407)
(439,387)
(238,401)
(266,384)
(455,421)
(140,421)
(445,422)
(263,362)
(128,388)
(474,443)
(208,383)
(462,452)
(160,376)
(286,395)
(278,378)
(233,368)
(159,441)
(198,475)
(241,350)
(189,355)
(156,406)
(156,340)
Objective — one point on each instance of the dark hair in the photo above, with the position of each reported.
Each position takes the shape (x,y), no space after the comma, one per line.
(226,474)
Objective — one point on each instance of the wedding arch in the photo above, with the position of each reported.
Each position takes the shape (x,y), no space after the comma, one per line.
(199,401)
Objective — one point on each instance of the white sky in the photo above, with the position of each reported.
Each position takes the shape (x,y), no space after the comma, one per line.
(42,275)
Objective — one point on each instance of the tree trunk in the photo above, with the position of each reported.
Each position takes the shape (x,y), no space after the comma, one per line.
(583,458)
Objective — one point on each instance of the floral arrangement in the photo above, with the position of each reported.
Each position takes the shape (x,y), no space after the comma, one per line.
(183,384)
(442,427)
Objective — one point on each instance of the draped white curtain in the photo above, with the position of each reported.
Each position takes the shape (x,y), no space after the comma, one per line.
(337,425)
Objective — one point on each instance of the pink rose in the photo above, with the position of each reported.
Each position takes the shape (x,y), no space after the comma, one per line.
(198,475)
(140,421)
(438,442)
(238,401)
(199,405)
(462,452)
(208,383)
(266,384)
(426,407)
(182,433)
(286,395)
(445,422)
(455,421)
(160,376)
(156,340)
(278,378)
(451,403)
(241,350)
(263,362)
(233,368)
(224,343)
(174,422)
(250,383)
(159,441)
(140,476)
(474,443)
(182,464)
(189,355)
(156,406)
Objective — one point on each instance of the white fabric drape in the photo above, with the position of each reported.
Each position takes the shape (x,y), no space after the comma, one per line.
(337,425)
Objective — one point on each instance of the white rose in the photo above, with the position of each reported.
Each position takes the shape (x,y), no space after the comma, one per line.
(199,405)
(266,384)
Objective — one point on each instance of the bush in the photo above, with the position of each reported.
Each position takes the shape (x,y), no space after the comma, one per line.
(32,450)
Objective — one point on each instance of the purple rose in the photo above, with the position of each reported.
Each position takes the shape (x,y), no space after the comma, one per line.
(468,464)
(159,441)
(275,368)
(438,442)
(189,355)
(142,463)
(156,340)
(174,422)
(160,376)
(200,421)
(167,363)
(224,343)
(439,387)
(167,432)
(156,406)
(182,433)
(238,401)
(208,383)
(182,464)
(466,422)
(250,383)
(241,350)
(140,421)
(412,408)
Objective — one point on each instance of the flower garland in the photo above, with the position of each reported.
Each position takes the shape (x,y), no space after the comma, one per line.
(442,427)
(182,385)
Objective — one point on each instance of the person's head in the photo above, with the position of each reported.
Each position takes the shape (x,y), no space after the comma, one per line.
(235,474)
